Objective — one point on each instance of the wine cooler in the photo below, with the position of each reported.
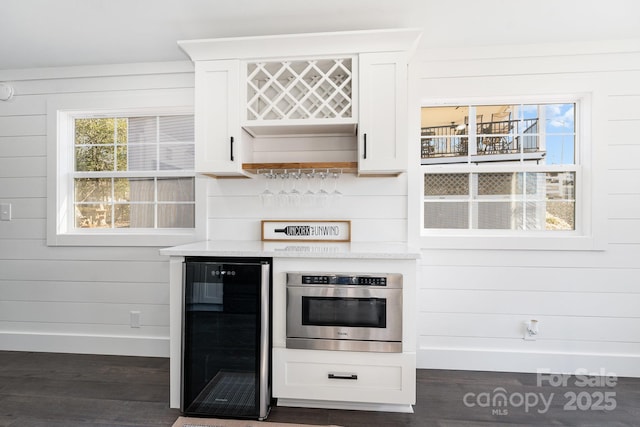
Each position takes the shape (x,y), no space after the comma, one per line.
(226,340)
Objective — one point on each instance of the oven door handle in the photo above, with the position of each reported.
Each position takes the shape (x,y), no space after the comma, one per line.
(342,376)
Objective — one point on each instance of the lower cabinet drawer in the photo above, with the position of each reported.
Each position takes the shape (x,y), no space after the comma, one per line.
(343,376)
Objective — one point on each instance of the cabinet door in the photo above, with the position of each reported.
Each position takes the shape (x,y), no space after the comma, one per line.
(218,132)
(382,136)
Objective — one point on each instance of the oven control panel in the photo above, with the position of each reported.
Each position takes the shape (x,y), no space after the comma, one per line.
(393,280)
(344,280)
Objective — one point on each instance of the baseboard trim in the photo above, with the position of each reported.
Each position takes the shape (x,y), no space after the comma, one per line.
(85,344)
(621,365)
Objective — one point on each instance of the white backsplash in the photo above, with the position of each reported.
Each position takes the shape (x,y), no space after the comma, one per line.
(377,208)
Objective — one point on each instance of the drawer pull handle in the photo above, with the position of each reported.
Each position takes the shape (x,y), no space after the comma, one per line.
(337,376)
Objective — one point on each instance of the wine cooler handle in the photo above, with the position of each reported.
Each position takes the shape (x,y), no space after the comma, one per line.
(265,333)
(365,147)
(342,376)
(231,148)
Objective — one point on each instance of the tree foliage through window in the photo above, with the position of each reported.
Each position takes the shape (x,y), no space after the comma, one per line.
(105,198)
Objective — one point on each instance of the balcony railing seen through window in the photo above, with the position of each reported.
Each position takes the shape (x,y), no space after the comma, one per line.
(498,133)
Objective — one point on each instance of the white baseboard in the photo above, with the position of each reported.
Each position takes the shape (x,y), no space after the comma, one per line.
(621,365)
(85,344)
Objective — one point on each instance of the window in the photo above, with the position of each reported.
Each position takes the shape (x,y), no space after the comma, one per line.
(123,176)
(134,172)
(509,169)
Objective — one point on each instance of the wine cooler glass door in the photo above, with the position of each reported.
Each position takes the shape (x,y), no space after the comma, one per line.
(223,339)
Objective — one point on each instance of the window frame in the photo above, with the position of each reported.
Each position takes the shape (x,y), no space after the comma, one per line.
(61,113)
(581,238)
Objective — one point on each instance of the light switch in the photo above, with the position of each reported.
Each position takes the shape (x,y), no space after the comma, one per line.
(5,211)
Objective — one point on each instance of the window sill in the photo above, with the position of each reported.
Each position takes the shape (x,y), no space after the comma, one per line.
(123,239)
(570,242)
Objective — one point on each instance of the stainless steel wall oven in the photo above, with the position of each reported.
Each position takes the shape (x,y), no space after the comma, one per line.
(344,311)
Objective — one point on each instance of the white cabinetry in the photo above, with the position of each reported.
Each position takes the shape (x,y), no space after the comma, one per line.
(335,379)
(382,137)
(219,150)
(361,380)
(302,86)
(315,378)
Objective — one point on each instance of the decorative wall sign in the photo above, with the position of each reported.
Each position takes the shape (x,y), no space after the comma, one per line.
(306,230)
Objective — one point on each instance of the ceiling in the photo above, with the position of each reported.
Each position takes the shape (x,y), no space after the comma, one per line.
(48,33)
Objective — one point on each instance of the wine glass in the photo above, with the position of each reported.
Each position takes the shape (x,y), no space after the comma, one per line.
(295,197)
(283,197)
(308,196)
(267,196)
(322,194)
(335,195)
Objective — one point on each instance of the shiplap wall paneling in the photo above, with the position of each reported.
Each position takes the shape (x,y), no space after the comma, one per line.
(562,279)
(473,303)
(74,299)
(616,256)
(376,207)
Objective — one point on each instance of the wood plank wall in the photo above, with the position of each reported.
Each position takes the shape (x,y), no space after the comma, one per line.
(376,207)
(73,299)
(79,299)
(473,303)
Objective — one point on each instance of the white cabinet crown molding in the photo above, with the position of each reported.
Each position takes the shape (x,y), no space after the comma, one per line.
(304,44)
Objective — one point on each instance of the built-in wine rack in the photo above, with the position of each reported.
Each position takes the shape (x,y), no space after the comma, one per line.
(300,89)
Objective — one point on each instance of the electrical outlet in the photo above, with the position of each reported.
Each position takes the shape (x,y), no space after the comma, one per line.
(531,330)
(5,211)
(134,319)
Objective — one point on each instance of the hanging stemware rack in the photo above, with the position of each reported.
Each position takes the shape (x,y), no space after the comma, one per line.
(345,167)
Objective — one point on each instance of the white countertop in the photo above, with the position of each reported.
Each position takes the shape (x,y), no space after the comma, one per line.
(363,250)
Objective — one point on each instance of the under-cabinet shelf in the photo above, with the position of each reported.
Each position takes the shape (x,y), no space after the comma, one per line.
(344,167)
(278,129)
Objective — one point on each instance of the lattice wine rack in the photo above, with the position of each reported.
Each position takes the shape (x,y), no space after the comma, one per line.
(300,89)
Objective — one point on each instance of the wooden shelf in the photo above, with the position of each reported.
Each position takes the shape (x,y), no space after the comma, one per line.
(345,167)
(289,128)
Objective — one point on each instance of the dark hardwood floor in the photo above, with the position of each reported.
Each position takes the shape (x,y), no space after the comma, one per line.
(45,389)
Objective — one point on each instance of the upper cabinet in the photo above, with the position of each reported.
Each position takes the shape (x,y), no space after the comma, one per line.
(323,97)
(218,134)
(382,138)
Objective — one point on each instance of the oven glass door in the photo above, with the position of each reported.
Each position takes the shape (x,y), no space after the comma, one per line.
(344,311)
